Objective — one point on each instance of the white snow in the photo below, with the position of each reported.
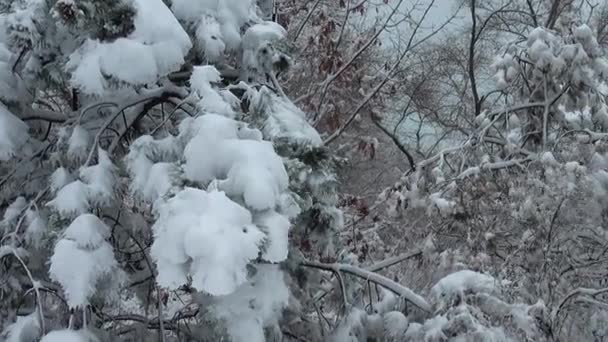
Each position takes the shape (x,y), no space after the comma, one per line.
(284,119)
(160,181)
(276,227)
(231,15)
(210,38)
(81,258)
(210,99)
(71,200)
(60,178)
(256,304)
(395,324)
(150,180)
(36,227)
(156,47)
(13,134)
(78,197)
(88,231)
(25,328)
(461,281)
(257,37)
(68,335)
(100,180)
(14,210)
(249,168)
(78,144)
(207,236)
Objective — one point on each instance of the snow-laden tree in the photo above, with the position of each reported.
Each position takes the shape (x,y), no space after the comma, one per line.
(145,192)
(516,192)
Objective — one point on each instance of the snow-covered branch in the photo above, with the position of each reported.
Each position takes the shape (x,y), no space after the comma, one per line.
(376,278)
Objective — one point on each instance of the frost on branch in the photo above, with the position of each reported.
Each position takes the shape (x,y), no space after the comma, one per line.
(82,258)
(206,236)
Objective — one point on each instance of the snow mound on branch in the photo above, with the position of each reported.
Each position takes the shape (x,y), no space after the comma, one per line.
(94,189)
(284,119)
(13,134)
(251,169)
(255,305)
(276,227)
(151,165)
(36,227)
(71,199)
(25,328)
(60,178)
(223,149)
(207,236)
(395,324)
(81,258)
(210,99)
(463,281)
(210,38)
(222,19)
(12,213)
(257,37)
(156,47)
(88,231)
(100,180)
(78,144)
